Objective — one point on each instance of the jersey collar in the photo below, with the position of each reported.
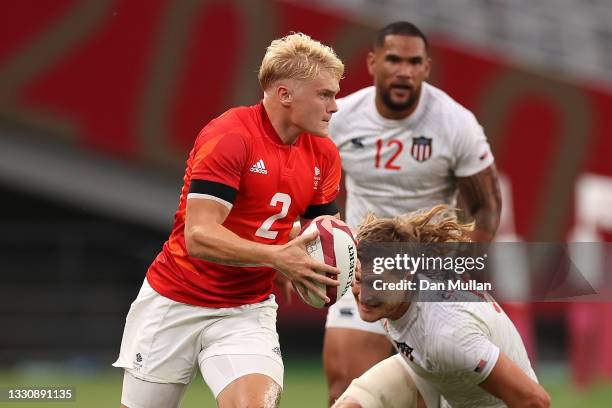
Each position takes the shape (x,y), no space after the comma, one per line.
(267,126)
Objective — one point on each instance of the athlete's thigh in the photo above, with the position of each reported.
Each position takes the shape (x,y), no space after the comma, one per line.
(138,393)
(348,353)
(387,384)
(242,343)
(261,375)
(251,390)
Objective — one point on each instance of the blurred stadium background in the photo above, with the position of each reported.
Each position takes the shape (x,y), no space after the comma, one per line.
(100,101)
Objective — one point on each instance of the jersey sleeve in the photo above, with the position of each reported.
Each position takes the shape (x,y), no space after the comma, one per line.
(331,172)
(472,151)
(220,158)
(463,349)
(217,167)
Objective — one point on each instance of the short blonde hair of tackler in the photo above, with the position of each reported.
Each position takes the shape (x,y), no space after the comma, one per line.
(297,56)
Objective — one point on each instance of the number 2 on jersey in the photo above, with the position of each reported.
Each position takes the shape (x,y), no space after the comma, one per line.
(264,231)
(389,164)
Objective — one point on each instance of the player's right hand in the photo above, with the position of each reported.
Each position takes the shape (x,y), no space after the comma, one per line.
(293,261)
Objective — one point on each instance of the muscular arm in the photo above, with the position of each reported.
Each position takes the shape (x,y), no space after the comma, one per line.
(207,238)
(480,198)
(510,384)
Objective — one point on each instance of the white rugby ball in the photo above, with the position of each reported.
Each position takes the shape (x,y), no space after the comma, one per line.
(336,247)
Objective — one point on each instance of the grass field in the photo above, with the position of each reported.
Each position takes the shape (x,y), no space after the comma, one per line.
(304,387)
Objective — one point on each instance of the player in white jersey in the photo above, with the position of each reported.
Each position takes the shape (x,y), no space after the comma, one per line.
(404,145)
(455,348)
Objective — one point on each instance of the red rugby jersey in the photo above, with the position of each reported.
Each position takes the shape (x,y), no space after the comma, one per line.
(275,184)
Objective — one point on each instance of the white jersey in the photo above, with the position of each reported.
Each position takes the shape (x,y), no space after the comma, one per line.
(453,345)
(397,166)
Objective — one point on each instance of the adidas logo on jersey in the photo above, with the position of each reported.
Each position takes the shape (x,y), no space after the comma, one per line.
(317,177)
(259,167)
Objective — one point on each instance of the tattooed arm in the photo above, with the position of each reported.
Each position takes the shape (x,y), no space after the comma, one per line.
(480,199)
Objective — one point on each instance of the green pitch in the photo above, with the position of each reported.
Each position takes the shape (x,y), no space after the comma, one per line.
(304,387)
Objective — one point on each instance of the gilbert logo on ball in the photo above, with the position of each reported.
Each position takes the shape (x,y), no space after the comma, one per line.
(336,247)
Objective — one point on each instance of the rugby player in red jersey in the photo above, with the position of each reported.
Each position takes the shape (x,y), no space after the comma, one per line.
(206,300)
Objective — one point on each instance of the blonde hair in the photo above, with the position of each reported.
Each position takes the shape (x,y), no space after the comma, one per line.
(297,56)
(430,226)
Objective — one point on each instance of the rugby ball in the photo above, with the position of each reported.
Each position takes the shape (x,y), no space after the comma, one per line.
(336,247)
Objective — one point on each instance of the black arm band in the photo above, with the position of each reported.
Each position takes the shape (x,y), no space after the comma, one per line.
(213,188)
(322,209)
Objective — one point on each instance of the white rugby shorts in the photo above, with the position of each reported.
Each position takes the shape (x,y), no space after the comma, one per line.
(164,340)
(344,314)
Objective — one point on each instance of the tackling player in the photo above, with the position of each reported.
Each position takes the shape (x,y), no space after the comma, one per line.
(206,300)
(404,145)
(454,349)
